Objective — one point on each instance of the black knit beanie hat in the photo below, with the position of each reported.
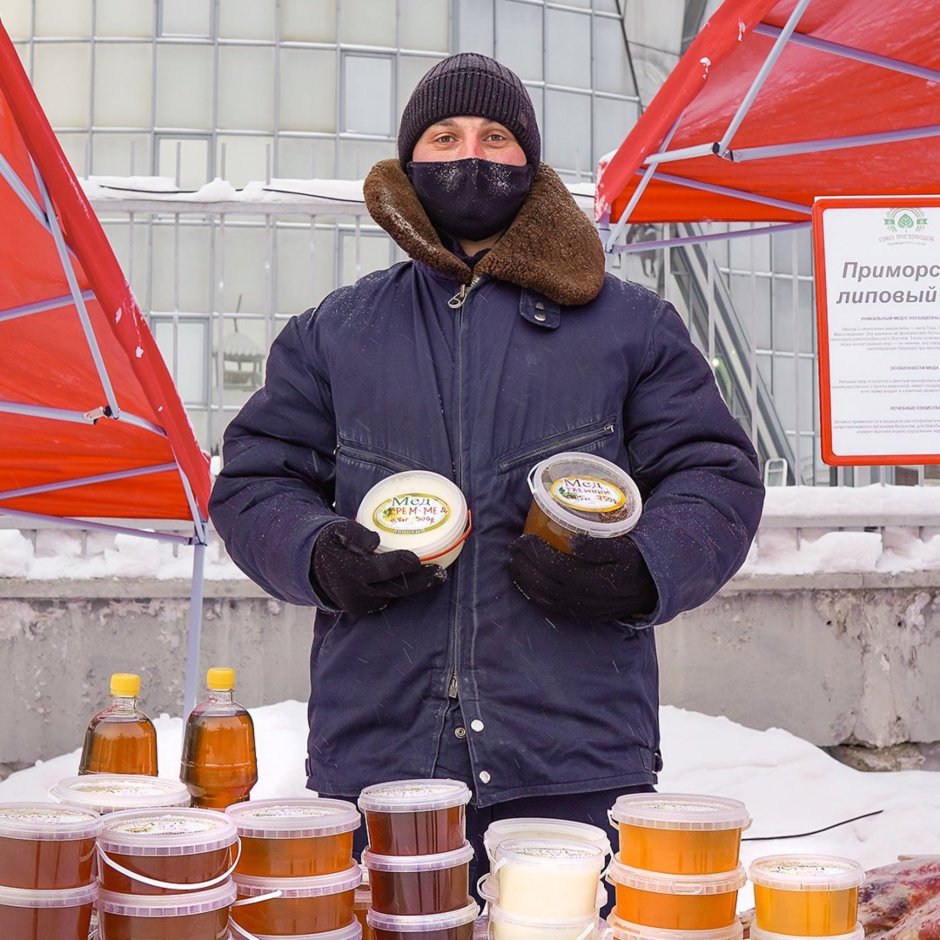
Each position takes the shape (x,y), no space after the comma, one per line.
(470,84)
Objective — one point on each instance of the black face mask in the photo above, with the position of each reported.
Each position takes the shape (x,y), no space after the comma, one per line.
(473,198)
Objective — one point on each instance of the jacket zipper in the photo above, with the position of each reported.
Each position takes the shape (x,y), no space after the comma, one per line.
(573,440)
(456,304)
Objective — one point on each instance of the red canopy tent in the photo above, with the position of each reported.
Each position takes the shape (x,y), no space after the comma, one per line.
(91,423)
(776,102)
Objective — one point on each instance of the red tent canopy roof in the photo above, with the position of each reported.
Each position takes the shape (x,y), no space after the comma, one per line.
(51,386)
(811,94)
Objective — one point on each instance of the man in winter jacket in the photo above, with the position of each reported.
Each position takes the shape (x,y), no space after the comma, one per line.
(528,673)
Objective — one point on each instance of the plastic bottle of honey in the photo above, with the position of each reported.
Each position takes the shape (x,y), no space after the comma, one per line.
(120,739)
(219,766)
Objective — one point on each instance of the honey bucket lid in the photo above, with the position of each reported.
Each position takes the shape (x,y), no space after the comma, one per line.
(47,822)
(59,897)
(686,885)
(552,852)
(690,811)
(434,862)
(566,829)
(413,796)
(806,872)
(300,818)
(166,832)
(167,905)
(351,931)
(106,793)
(446,520)
(315,886)
(577,512)
(488,889)
(496,913)
(420,923)
(622,929)
(757,934)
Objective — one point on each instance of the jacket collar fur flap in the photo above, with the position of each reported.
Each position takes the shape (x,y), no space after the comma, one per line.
(551,247)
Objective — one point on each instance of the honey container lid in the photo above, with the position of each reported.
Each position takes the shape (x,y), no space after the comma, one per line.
(47,822)
(60,897)
(689,811)
(757,934)
(686,885)
(423,923)
(167,905)
(166,832)
(621,929)
(313,887)
(551,852)
(806,872)
(586,495)
(417,510)
(435,862)
(413,796)
(106,793)
(539,828)
(302,818)
(351,931)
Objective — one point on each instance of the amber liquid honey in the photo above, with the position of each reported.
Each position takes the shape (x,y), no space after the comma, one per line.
(119,746)
(420,892)
(676,911)
(806,913)
(48,923)
(680,851)
(538,523)
(219,766)
(285,916)
(425,832)
(295,858)
(208,925)
(179,870)
(45,864)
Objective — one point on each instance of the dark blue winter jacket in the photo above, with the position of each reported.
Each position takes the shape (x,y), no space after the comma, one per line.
(545,354)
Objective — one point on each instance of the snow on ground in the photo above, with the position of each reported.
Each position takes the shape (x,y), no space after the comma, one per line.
(787,784)
(899,547)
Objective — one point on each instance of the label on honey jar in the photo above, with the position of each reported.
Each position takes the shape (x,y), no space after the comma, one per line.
(411,513)
(588,494)
(170,825)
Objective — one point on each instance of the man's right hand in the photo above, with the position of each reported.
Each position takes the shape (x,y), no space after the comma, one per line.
(348,572)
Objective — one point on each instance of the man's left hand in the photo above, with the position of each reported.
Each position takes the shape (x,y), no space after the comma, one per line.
(603,579)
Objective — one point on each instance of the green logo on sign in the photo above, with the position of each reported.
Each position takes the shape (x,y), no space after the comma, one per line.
(906,221)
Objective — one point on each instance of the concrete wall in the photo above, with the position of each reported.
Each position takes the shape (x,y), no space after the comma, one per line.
(832,658)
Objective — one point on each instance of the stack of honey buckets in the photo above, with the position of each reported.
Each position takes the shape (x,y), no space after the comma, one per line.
(544,881)
(677,869)
(418,860)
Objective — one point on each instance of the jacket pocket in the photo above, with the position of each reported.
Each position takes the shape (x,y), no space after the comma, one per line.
(386,460)
(574,439)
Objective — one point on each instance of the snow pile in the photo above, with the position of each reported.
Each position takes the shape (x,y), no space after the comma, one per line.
(788,785)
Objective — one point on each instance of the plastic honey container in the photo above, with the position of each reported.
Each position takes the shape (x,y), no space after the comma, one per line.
(202,915)
(548,879)
(539,828)
(361,904)
(410,885)
(503,926)
(109,793)
(158,851)
(454,925)
(44,846)
(415,817)
(675,902)
(806,895)
(305,905)
(420,511)
(580,494)
(43,915)
(679,833)
(352,932)
(295,838)
(618,929)
(488,889)
(755,933)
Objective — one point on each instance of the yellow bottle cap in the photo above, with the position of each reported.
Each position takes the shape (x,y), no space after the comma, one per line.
(125,683)
(220,679)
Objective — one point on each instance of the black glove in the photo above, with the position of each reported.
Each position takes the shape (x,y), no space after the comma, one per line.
(348,572)
(604,579)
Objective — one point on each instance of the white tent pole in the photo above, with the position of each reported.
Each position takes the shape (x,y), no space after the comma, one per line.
(735,193)
(759,79)
(87,481)
(41,306)
(194,628)
(69,522)
(25,196)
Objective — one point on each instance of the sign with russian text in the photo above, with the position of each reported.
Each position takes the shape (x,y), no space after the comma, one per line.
(877,262)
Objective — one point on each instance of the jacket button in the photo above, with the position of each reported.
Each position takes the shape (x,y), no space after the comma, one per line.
(539,305)
(460,733)
(540,317)
(476,724)
(484,776)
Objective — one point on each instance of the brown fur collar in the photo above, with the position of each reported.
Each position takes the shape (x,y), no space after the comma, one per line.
(551,246)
